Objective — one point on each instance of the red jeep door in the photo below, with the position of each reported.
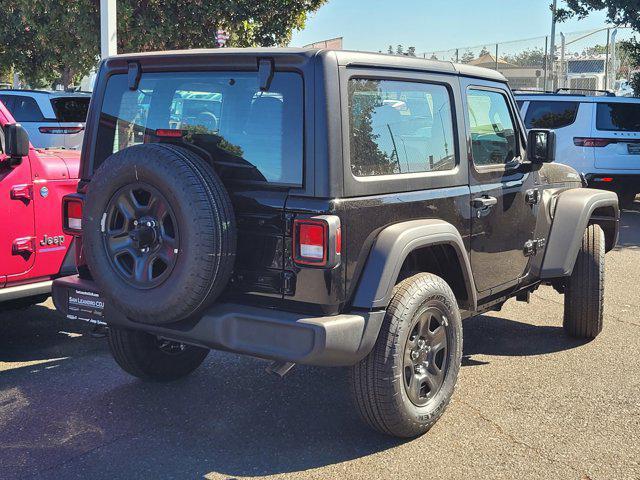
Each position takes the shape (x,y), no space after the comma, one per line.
(17,227)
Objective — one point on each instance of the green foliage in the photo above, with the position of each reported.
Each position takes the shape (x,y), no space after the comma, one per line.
(52,40)
(467,57)
(367,158)
(533,57)
(634,81)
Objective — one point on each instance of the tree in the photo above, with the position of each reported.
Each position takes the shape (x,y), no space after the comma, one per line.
(483,52)
(400,50)
(467,56)
(411,51)
(533,57)
(49,40)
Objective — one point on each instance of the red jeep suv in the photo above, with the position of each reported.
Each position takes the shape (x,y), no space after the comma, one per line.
(33,248)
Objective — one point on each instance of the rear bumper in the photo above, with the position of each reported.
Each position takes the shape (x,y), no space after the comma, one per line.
(336,340)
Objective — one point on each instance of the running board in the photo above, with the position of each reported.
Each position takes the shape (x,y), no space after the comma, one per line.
(27,290)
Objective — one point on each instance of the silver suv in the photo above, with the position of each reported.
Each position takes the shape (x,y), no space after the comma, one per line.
(52,119)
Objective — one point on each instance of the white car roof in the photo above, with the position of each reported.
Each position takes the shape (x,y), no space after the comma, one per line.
(561,97)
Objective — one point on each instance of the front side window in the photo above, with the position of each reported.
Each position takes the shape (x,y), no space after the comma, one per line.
(398,127)
(551,114)
(624,117)
(251,135)
(493,136)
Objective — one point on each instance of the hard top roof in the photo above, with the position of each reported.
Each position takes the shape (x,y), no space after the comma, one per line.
(344,57)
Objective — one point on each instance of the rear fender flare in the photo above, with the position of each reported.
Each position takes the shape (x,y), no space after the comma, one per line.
(391,248)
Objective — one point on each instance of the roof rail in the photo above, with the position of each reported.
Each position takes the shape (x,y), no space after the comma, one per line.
(606,93)
(530,92)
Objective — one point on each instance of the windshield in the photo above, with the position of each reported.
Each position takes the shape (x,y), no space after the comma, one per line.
(249,134)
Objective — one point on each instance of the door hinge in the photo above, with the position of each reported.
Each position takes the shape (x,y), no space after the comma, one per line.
(532,196)
(23,245)
(22,192)
(532,247)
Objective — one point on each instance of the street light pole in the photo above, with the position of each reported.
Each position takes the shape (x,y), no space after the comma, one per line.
(552,49)
(108,29)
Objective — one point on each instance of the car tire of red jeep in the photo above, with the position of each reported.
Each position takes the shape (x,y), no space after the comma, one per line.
(186,226)
(151,358)
(584,290)
(406,382)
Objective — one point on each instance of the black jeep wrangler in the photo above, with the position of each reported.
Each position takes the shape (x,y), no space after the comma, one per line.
(325,208)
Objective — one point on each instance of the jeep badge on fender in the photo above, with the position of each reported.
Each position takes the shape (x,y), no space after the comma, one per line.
(56,240)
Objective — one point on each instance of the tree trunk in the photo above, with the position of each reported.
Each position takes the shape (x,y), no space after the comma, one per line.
(67,78)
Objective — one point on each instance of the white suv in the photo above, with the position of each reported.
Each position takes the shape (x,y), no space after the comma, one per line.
(599,136)
(52,119)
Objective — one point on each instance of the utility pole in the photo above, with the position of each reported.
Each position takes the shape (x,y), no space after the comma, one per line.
(552,49)
(108,29)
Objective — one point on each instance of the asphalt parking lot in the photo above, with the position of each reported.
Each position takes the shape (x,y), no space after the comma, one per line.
(530,403)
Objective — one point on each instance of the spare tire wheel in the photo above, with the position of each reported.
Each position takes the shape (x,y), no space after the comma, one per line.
(159,232)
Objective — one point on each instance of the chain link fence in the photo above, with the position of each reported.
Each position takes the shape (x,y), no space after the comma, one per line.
(588,61)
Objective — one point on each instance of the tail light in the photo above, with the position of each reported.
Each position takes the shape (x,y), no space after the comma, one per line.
(603,179)
(593,142)
(72,206)
(61,130)
(317,241)
(168,133)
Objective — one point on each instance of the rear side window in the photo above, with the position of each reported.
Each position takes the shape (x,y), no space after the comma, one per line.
(551,114)
(71,109)
(493,136)
(623,117)
(25,109)
(399,127)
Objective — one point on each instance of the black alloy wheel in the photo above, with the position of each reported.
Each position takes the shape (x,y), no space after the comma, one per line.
(425,358)
(141,235)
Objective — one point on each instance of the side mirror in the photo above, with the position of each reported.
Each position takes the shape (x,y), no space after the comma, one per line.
(16,143)
(541,145)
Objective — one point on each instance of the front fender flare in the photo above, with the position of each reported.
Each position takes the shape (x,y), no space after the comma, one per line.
(390,250)
(573,210)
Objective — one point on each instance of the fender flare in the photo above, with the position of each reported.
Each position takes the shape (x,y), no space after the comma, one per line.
(391,248)
(572,212)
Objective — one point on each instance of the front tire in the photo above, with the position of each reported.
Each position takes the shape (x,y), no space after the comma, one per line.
(404,385)
(584,290)
(149,357)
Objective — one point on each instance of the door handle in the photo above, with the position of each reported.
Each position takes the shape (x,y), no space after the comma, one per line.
(484,202)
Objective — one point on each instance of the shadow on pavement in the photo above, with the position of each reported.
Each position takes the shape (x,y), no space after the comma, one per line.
(491,335)
(38,333)
(629,230)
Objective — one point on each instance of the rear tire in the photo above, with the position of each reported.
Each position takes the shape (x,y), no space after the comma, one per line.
(404,385)
(151,358)
(584,290)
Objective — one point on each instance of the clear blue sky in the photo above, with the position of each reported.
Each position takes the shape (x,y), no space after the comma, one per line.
(432,25)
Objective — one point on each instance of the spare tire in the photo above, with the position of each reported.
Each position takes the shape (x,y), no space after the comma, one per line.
(159,234)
